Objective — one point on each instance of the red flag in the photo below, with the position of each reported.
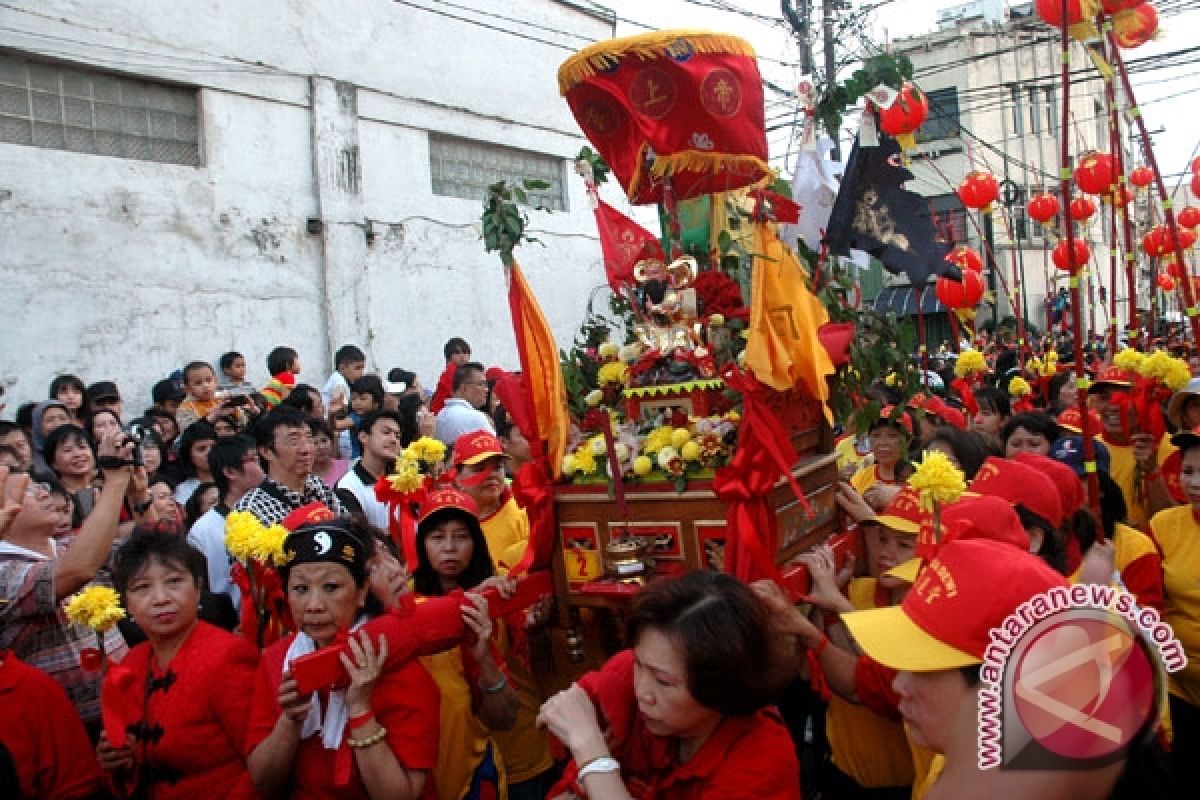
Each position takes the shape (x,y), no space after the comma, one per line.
(624,243)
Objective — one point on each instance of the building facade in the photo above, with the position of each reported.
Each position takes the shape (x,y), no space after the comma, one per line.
(177,180)
(992,76)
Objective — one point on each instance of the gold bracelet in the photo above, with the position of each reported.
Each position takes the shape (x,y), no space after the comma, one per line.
(373,739)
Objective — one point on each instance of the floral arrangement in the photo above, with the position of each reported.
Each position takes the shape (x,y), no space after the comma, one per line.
(969,364)
(98,608)
(258,552)
(656,453)
(719,296)
(938,482)
(1018,387)
(424,458)
(1159,366)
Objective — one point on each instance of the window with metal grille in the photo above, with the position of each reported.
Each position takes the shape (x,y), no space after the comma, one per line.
(85,111)
(942,122)
(465,168)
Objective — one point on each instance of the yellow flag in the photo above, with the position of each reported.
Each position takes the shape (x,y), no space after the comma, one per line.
(543,372)
(783,350)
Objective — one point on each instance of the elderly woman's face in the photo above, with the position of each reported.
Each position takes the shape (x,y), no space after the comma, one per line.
(660,683)
(324,599)
(163,599)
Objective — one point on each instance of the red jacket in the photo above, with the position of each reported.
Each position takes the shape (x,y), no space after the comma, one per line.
(191,738)
(445,388)
(405,700)
(44,735)
(745,758)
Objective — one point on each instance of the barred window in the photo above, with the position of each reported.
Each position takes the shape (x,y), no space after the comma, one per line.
(77,109)
(465,168)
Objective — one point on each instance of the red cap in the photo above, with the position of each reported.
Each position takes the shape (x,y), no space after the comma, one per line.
(471,448)
(1019,485)
(447,497)
(971,517)
(970,587)
(904,513)
(313,512)
(1070,490)
(948,413)
(1112,376)
(1072,421)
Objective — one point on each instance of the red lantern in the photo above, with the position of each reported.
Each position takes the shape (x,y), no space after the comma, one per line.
(1196,165)
(978,190)
(1196,184)
(960,294)
(1082,208)
(1096,173)
(1141,177)
(1043,207)
(965,258)
(1171,267)
(1166,283)
(1135,27)
(1156,242)
(1113,6)
(1077,261)
(905,116)
(1189,216)
(1187,238)
(1051,12)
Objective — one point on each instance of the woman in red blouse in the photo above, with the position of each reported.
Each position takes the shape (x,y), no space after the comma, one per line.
(181,693)
(683,714)
(375,739)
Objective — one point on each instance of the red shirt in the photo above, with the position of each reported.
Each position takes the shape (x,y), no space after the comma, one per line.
(745,758)
(445,388)
(44,735)
(406,701)
(190,740)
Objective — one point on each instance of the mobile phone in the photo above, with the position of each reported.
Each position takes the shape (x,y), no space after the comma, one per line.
(238,400)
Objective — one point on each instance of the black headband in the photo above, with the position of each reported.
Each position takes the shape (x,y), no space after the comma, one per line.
(324,543)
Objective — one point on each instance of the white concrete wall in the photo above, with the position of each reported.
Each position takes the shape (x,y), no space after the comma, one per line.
(122,269)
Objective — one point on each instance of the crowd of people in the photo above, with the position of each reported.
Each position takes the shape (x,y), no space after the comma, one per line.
(868,688)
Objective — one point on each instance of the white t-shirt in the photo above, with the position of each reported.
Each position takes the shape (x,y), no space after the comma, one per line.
(361,484)
(208,536)
(183,492)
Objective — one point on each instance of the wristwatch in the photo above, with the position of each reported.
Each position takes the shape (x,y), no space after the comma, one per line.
(604,764)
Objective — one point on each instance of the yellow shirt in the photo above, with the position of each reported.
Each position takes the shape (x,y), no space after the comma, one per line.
(847,453)
(507,533)
(935,767)
(1128,546)
(1122,469)
(869,748)
(1178,537)
(867,477)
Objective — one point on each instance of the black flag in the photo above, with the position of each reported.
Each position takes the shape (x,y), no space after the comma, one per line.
(873,212)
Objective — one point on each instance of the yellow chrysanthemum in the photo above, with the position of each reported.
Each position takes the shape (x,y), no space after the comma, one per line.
(569,467)
(614,372)
(268,545)
(969,362)
(241,532)
(406,476)
(938,480)
(1052,356)
(1156,365)
(1034,365)
(657,439)
(642,465)
(585,461)
(593,398)
(1129,360)
(597,445)
(1178,375)
(1019,387)
(97,607)
(608,350)
(892,379)
(428,450)
(690,451)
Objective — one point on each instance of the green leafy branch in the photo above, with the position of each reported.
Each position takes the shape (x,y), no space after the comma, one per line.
(504,223)
(600,170)
(883,69)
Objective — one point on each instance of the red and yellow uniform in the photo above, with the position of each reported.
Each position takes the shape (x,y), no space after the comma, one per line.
(464,740)
(868,746)
(745,758)
(867,477)
(1123,470)
(1177,533)
(190,738)
(507,532)
(1137,559)
(405,701)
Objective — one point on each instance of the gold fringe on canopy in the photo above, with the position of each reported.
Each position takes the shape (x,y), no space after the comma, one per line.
(699,161)
(647,46)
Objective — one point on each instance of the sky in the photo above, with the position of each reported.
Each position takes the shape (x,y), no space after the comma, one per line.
(1161,93)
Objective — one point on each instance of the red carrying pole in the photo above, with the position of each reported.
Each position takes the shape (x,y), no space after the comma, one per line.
(1185,284)
(1064,174)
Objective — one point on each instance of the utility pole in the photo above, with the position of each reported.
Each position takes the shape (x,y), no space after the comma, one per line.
(798,19)
(828,7)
